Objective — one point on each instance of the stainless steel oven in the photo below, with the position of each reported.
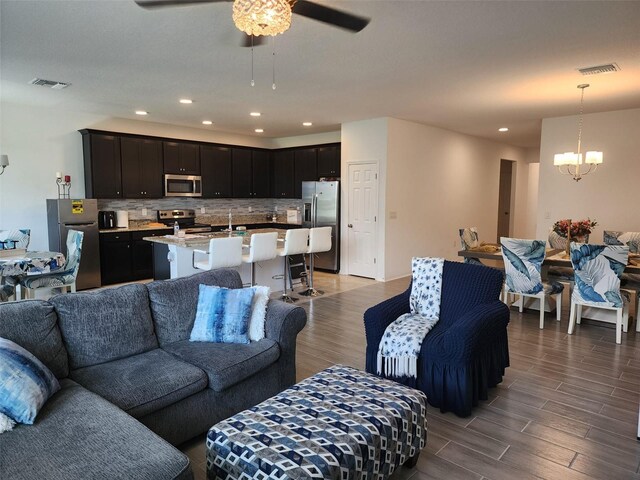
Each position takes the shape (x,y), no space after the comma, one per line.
(182,186)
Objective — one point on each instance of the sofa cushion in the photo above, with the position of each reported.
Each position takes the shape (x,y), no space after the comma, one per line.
(225,363)
(174,302)
(142,383)
(79,435)
(32,324)
(101,326)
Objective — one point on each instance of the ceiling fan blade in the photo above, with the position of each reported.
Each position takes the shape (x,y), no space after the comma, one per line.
(257,41)
(334,17)
(173,3)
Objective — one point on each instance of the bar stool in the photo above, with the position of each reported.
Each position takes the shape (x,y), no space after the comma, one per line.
(223,253)
(319,241)
(295,243)
(263,247)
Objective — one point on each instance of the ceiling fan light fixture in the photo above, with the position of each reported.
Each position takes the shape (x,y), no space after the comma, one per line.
(262,17)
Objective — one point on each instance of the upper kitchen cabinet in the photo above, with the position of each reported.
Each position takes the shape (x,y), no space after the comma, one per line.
(250,171)
(141,167)
(215,164)
(102,171)
(329,161)
(283,176)
(305,168)
(181,158)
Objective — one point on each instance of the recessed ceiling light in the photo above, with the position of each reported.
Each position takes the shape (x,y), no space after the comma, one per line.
(141,112)
(259,130)
(186,101)
(255,114)
(503,129)
(306,124)
(207,122)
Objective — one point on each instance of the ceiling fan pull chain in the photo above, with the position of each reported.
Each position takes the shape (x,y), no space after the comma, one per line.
(273,86)
(253,83)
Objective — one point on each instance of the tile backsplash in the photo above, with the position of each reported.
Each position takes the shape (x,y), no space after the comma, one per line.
(216,209)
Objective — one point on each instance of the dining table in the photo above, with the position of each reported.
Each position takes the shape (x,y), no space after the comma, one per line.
(30,263)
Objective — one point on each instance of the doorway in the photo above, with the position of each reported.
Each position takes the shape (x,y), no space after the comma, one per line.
(505,198)
(361,219)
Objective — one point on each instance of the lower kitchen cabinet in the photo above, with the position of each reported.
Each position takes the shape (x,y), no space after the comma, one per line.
(125,257)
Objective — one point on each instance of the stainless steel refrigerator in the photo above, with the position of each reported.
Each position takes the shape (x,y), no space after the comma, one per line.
(322,209)
(82,215)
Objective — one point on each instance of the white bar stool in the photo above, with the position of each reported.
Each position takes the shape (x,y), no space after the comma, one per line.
(223,253)
(263,247)
(295,243)
(319,241)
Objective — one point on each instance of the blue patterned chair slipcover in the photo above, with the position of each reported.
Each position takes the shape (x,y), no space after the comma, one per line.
(523,266)
(338,424)
(10,240)
(66,278)
(467,351)
(563,274)
(468,241)
(597,275)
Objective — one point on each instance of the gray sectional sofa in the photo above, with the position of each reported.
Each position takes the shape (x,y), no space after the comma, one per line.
(132,385)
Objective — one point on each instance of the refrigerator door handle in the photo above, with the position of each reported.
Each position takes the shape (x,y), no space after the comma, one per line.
(315,210)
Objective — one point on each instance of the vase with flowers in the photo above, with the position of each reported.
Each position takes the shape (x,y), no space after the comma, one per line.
(576,231)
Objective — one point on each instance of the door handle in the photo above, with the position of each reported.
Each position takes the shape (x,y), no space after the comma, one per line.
(350,225)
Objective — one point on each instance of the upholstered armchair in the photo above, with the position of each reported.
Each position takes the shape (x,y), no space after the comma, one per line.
(467,351)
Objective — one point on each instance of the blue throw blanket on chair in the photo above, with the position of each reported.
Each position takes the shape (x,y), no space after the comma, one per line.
(400,345)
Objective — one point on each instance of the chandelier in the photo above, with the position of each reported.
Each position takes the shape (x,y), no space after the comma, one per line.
(570,163)
(262,17)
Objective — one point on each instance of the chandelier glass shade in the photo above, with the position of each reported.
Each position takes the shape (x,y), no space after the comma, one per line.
(570,163)
(262,17)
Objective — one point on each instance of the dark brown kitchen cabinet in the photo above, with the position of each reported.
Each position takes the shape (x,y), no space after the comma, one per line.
(141,168)
(102,171)
(181,158)
(305,168)
(283,176)
(329,161)
(126,257)
(260,174)
(241,173)
(215,165)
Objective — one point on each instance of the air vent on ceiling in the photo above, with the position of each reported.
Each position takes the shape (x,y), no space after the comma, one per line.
(608,68)
(49,83)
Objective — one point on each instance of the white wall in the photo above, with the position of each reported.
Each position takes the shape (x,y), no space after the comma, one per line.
(609,194)
(433,181)
(43,140)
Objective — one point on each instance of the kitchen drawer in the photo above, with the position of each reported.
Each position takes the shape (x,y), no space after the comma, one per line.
(115,237)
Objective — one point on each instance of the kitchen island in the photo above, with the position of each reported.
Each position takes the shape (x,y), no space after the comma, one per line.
(173,256)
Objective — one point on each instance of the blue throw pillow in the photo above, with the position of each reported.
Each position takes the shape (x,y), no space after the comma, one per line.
(223,315)
(25,383)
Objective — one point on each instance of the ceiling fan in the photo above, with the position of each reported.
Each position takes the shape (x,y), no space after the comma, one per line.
(305,8)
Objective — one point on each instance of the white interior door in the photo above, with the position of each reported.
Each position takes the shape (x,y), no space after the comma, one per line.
(362,216)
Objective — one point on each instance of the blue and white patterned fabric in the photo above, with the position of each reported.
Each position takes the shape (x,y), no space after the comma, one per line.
(631,239)
(31,263)
(400,345)
(70,270)
(597,274)
(222,315)
(25,383)
(469,240)
(6,291)
(523,265)
(339,424)
(12,239)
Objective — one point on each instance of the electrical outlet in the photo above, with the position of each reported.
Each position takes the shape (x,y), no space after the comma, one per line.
(393,215)
(202,210)
(250,209)
(547,215)
(144,212)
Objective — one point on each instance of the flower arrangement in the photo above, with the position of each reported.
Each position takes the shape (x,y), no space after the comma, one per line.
(579,228)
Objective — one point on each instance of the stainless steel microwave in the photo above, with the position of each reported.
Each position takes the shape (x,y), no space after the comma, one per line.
(182,186)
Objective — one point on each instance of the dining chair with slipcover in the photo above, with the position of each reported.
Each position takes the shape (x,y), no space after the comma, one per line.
(10,240)
(523,269)
(469,240)
(65,278)
(597,282)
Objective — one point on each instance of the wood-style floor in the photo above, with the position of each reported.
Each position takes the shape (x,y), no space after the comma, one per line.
(567,408)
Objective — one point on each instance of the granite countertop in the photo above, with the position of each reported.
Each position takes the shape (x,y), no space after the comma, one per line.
(202,239)
(145,226)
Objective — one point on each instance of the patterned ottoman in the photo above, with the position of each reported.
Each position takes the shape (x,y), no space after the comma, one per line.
(338,424)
